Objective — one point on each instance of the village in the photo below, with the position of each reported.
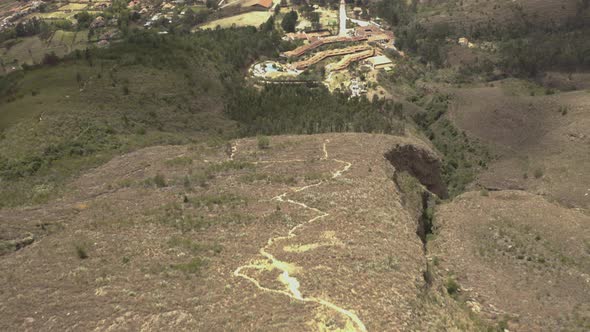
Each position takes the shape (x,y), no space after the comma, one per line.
(348,61)
(337,44)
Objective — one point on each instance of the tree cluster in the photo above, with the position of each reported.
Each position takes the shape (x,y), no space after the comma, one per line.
(300,109)
(30,27)
(289,21)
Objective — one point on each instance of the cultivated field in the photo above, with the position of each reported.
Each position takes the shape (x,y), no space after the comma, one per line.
(74,7)
(7,5)
(30,50)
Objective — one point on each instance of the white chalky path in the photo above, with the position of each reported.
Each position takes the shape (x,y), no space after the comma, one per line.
(290,283)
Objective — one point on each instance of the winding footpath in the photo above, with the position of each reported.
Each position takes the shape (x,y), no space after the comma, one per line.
(270,262)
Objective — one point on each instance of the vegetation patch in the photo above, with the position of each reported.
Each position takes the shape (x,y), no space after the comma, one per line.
(278,109)
(263,142)
(82,115)
(81,249)
(194,266)
(464,157)
(179,161)
(225,200)
(193,246)
(452,287)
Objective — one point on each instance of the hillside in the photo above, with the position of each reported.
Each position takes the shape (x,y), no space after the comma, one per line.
(59,118)
(392,165)
(541,140)
(310,233)
(473,14)
(533,254)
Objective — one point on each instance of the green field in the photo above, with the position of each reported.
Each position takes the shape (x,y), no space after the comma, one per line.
(60,15)
(57,15)
(56,121)
(31,50)
(247,19)
(27,50)
(198,8)
(7,5)
(74,7)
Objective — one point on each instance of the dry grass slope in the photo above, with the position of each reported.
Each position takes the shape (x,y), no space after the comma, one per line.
(151,241)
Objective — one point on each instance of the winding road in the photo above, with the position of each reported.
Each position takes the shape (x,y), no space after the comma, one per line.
(270,262)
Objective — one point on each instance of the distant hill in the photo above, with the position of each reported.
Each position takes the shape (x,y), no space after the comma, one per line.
(469,15)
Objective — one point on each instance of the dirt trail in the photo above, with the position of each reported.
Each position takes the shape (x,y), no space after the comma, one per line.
(291,284)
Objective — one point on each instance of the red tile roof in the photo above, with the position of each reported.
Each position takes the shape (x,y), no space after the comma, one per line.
(262,3)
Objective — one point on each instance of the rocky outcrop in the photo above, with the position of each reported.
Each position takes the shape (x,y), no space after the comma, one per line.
(422,164)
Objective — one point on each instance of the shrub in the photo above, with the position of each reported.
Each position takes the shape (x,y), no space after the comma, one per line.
(263,142)
(563,110)
(81,251)
(179,161)
(159,180)
(192,267)
(452,287)
(50,59)
(229,166)
(218,199)
(187,183)
(538,173)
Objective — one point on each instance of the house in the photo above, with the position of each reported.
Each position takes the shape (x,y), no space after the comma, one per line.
(97,23)
(466,43)
(168,6)
(380,62)
(258,4)
(310,35)
(374,33)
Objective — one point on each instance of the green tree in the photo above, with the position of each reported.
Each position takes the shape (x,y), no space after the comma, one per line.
(314,17)
(84,19)
(211,4)
(289,21)
(268,25)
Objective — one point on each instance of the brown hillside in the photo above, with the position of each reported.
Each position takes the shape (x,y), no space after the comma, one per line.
(473,13)
(517,258)
(542,141)
(308,234)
